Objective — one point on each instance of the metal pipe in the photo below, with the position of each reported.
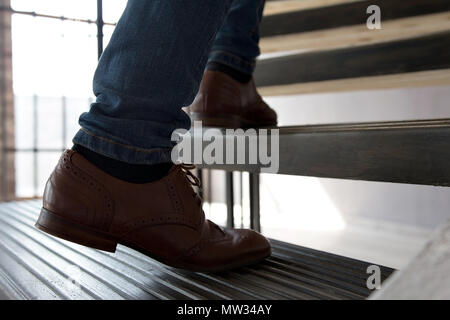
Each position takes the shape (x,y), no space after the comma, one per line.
(255,222)
(49,16)
(229,198)
(100,25)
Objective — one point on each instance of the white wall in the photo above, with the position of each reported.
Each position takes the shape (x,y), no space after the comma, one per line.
(421,206)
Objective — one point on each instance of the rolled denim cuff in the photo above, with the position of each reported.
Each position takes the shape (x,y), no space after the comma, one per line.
(232,60)
(121,152)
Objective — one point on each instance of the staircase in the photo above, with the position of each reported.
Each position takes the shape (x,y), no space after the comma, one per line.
(308,46)
(35,265)
(325,46)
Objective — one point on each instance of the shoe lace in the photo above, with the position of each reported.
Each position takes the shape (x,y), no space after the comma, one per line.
(195,181)
(192,179)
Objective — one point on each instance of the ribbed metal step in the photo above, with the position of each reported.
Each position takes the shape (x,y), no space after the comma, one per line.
(34,265)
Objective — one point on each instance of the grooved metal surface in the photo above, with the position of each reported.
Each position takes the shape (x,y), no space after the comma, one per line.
(34,265)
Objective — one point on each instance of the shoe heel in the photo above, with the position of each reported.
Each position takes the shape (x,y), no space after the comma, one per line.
(62,228)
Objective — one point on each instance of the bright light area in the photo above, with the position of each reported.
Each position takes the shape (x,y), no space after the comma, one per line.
(53,58)
(302,201)
(53,63)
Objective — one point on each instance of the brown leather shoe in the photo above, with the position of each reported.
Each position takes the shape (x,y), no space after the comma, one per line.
(162,219)
(224,102)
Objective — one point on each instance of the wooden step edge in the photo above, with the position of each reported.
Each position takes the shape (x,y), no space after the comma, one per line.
(357,35)
(384,82)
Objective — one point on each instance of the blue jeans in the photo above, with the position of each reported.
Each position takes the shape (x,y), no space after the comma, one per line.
(153,66)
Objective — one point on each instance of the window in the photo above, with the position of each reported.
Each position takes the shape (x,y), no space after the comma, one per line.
(53,85)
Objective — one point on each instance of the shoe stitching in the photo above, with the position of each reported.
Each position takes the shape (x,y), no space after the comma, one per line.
(144,222)
(80,175)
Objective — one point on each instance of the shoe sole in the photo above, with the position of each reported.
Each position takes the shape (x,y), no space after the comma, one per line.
(60,227)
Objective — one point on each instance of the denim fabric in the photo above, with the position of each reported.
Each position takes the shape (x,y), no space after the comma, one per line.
(152,67)
(237,42)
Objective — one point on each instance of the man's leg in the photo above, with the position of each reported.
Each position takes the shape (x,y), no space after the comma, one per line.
(237,43)
(150,69)
(227,95)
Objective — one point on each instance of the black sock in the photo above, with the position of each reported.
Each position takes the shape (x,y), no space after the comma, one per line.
(135,173)
(235,74)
